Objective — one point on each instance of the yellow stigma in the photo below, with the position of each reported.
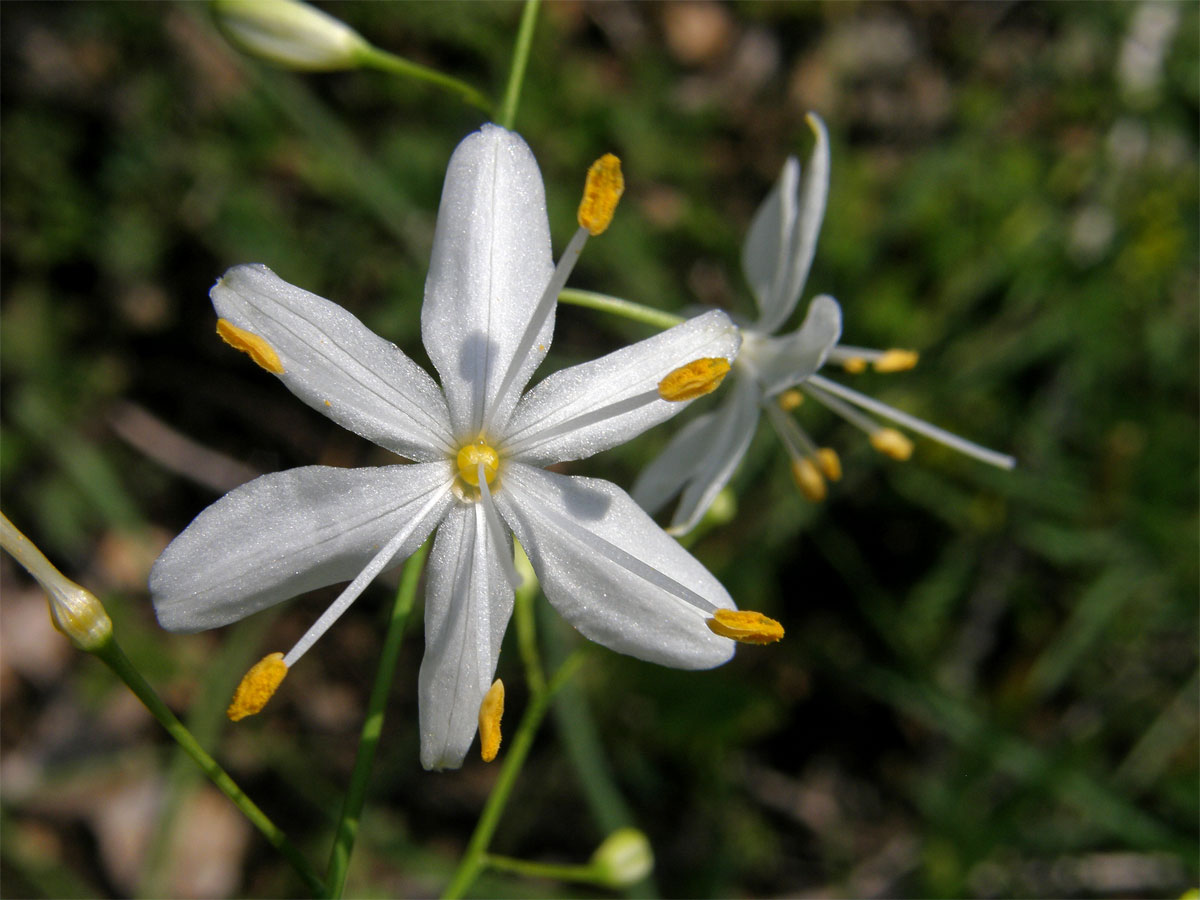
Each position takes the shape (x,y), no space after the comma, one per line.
(697,378)
(257,687)
(790,399)
(490,712)
(854,365)
(890,442)
(250,344)
(745,625)
(896,361)
(808,478)
(469,458)
(829,463)
(603,189)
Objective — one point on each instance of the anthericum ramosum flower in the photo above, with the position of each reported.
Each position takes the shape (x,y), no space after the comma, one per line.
(479,448)
(772,373)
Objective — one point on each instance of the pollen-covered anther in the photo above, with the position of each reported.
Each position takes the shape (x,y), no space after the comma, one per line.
(808,479)
(891,442)
(697,378)
(745,625)
(469,458)
(603,189)
(829,463)
(491,710)
(854,364)
(790,400)
(250,344)
(896,361)
(257,687)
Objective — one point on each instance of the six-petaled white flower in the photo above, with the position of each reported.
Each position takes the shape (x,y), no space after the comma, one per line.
(771,371)
(479,450)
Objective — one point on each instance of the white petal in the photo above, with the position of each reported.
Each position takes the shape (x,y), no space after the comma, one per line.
(785,230)
(596,405)
(611,572)
(668,472)
(491,260)
(286,533)
(786,361)
(337,365)
(764,253)
(468,602)
(725,445)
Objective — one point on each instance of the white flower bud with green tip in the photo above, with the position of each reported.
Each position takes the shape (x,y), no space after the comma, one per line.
(625,858)
(291,34)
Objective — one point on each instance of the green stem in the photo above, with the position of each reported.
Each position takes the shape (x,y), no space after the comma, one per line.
(112,656)
(523,612)
(618,307)
(473,860)
(375,58)
(368,743)
(530,869)
(516,77)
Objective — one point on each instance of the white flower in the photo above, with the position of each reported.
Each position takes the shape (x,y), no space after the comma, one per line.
(771,373)
(479,447)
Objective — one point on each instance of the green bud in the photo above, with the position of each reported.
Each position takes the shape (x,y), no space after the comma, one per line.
(74,610)
(623,859)
(290,33)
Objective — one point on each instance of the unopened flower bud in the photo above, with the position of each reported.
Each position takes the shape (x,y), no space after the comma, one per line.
(624,858)
(290,33)
(74,610)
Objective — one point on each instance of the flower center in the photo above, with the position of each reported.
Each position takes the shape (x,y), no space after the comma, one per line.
(469,458)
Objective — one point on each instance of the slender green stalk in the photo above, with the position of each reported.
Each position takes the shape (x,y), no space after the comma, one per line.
(523,612)
(375,58)
(618,307)
(473,860)
(530,869)
(368,743)
(112,656)
(516,77)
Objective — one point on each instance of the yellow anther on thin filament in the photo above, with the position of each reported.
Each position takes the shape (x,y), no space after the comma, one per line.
(745,625)
(854,364)
(697,378)
(790,399)
(890,442)
(896,361)
(603,189)
(469,458)
(829,463)
(250,344)
(257,687)
(808,478)
(490,712)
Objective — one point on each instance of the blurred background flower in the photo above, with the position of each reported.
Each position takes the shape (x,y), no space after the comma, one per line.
(989,685)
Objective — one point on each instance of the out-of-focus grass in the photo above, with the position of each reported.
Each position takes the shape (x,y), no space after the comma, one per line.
(989,683)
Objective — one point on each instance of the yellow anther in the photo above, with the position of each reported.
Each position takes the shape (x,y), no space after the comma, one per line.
(896,361)
(257,687)
(469,458)
(490,712)
(808,478)
(829,463)
(790,399)
(890,442)
(250,344)
(697,378)
(603,189)
(854,364)
(745,625)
